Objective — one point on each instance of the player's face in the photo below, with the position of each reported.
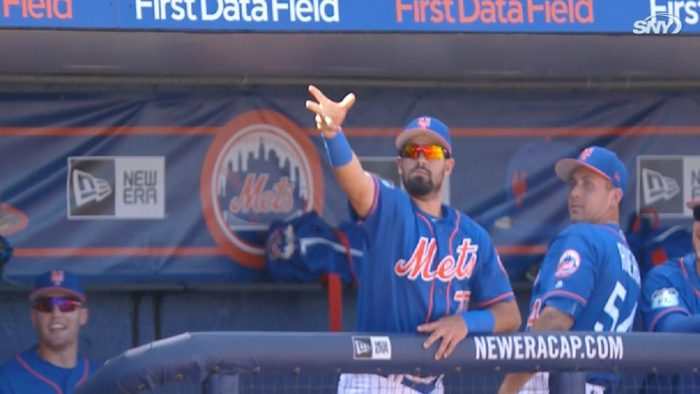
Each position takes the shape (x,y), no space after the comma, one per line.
(58,330)
(592,198)
(423,177)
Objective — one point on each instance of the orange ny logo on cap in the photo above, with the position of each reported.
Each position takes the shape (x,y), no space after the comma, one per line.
(424,122)
(585,154)
(57,277)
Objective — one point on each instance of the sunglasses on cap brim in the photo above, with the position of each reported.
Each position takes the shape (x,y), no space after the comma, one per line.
(430,152)
(64,304)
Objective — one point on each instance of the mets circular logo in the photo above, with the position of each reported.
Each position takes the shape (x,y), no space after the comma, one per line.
(260,168)
(569,262)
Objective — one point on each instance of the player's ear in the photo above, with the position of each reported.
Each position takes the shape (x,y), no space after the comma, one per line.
(449,165)
(617,196)
(84,316)
(32,316)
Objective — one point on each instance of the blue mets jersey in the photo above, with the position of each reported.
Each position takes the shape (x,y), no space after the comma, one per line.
(589,273)
(28,373)
(673,287)
(418,268)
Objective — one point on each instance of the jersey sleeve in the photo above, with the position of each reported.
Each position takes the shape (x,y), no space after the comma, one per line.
(568,274)
(385,207)
(661,297)
(5,378)
(491,284)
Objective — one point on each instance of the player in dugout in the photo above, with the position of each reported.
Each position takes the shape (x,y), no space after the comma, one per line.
(424,260)
(589,279)
(53,366)
(671,303)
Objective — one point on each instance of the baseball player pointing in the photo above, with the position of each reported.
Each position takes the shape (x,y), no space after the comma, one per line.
(425,262)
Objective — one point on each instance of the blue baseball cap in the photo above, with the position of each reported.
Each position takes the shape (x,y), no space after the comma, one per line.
(598,159)
(62,281)
(427,125)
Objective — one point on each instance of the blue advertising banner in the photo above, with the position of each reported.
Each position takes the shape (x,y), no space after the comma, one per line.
(490,16)
(141,186)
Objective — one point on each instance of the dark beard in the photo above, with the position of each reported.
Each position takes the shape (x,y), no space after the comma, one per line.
(418,186)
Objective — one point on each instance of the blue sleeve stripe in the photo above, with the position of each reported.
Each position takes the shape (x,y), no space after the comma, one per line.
(667,311)
(565,294)
(503,297)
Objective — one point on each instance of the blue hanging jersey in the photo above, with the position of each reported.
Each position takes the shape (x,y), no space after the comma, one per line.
(28,373)
(418,268)
(590,274)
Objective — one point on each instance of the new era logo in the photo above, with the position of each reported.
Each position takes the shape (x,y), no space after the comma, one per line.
(666,182)
(362,348)
(111,187)
(371,348)
(657,187)
(88,188)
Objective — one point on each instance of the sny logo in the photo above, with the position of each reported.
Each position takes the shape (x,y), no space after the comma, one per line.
(658,24)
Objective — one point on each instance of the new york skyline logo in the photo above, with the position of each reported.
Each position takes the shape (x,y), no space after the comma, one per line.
(264,168)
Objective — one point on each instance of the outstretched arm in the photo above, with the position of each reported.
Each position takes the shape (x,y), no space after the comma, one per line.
(551,319)
(346,167)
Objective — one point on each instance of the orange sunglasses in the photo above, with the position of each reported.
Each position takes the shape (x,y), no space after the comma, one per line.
(430,152)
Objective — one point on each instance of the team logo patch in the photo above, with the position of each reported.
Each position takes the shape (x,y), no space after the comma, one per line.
(280,243)
(262,167)
(664,298)
(371,348)
(569,262)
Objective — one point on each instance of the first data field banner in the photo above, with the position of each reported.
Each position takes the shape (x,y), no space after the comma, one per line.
(527,16)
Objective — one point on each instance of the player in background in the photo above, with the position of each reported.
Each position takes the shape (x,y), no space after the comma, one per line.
(53,366)
(589,279)
(671,303)
(424,261)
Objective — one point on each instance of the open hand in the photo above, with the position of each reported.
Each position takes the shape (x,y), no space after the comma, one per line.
(329,114)
(451,329)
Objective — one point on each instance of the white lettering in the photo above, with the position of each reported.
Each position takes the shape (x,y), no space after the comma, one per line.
(518,348)
(480,343)
(565,351)
(602,345)
(617,349)
(541,348)
(590,346)
(492,349)
(553,348)
(506,347)
(530,348)
(575,346)
(250,11)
